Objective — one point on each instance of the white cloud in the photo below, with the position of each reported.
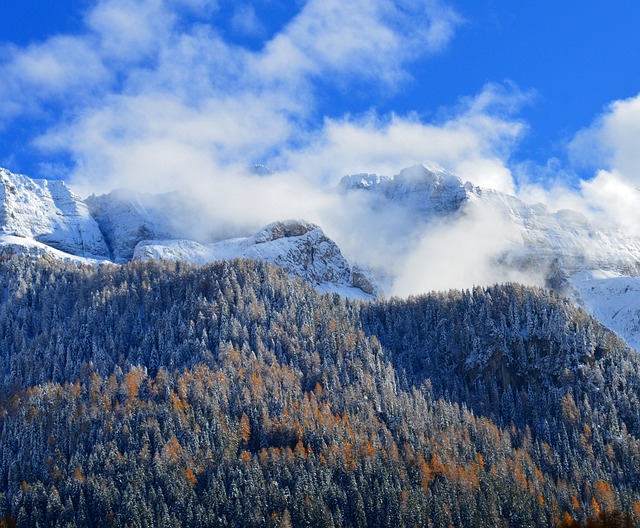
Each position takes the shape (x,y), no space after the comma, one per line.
(370,38)
(474,143)
(132,42)
(62,66)
(141,77)
(610,147)
(461,253)
(246,22)
(129,29)
(611,142)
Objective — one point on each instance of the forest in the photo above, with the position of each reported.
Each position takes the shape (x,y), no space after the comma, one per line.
(230,394)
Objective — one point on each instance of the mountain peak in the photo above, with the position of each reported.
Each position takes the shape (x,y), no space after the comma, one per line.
(426,175)
(425,188)
(283,229)
(429,174)
(361,181)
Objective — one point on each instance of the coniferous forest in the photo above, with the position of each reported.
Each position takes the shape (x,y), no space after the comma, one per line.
(164,394)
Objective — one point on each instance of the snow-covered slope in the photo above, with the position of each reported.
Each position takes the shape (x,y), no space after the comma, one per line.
(126,218)
(48,212)
(15,245)
(612,299)
(300,247)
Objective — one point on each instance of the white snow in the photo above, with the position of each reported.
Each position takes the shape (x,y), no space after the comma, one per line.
(612,299)
(47,211)
(30,247)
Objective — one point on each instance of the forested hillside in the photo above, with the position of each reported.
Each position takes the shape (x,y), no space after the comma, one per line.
(162,394)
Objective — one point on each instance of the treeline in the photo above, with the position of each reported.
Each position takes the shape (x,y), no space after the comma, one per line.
(161,394)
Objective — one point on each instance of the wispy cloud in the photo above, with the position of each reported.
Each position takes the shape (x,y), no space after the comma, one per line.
(246,21)
(51,71)
(610,145)
(153,79)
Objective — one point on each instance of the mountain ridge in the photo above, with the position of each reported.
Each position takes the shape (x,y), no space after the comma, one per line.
(563,248)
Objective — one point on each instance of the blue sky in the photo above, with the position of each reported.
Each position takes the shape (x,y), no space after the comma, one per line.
(507,94)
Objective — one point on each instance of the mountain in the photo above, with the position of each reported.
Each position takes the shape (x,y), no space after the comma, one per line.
(41,217)
(189,381)
(297,246)
(612,299)
(48,212)
(564,241)
(596,265)
(427,190)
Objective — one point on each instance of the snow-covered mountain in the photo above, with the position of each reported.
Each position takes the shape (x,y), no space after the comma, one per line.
(597,265)
(41,217)
(564,242)
(428,190)
(126,218)
(298,246)
(48,212)
(612,299)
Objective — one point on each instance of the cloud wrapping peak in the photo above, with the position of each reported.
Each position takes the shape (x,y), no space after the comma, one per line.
(472,142)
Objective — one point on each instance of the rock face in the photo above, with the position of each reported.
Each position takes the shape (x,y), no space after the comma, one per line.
(427,190)
(48,212)
(298,246)
(127,218)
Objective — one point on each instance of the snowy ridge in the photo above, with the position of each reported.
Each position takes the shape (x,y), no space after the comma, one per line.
(538,238)
(298,246)
(14,245)
(565,238)
(428,190)
(40,217)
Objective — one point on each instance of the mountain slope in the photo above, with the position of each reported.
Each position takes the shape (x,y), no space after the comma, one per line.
(127,218)
(563,250)
(173,395)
